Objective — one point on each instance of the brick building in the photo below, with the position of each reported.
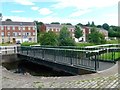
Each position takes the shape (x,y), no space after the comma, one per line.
(14,32)
(56,28)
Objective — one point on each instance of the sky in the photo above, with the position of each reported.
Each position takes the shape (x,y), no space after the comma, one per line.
(63,11)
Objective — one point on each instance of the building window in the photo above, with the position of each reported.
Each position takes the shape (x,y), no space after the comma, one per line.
(28,28)
(19,33)
(14,34)
(8,28)
(23,28)
(2,40)
(31,28)
(30,39)
(33,33)
(2,27)
(34,27)
(19,28)
(13,28)
(2,34)
(8,33)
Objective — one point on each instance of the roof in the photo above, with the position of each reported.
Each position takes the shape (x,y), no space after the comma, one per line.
(17,23)
(58,26)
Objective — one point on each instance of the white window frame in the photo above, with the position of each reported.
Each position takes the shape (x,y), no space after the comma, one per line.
(23,28)
(13,28)
(19,28)
(8,27)
(2,27)
(34,33)
(2,34)
(28,28)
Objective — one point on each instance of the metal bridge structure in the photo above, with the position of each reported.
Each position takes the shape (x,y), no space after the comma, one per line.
(71,59)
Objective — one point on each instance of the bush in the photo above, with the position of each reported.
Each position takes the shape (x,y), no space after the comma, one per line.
(28,43)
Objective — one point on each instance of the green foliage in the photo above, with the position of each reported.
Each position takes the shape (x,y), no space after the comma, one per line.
(55,23)
(8,20)
(68,24)
(112,42)
(65,38)
(96,37)
(114,32)
(28,43)
(38,24)
(99,26)
(78,32)
(49,38)
(106,26)
(84,44)
(79,24)
(88,24)
(93,24)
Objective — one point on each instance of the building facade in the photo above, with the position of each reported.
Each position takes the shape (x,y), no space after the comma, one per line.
(85,30)
(56,28)
(13,32)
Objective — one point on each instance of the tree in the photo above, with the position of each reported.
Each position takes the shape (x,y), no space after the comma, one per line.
(96,37)
(88,24)
(65,38)
(80,24)
(49,38)
(55,23)
(68,24)
(78,32)
(8,20)
(106,26)
(93,24)
(99,26)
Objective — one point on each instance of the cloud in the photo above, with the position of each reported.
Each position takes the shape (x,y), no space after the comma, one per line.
(18,18)
(24,2)
(79,13)
(49,19)
(35,8)
(45,11)
(84,4)
(17,11)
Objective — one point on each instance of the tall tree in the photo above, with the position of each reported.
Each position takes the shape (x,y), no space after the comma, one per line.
(8,20)
(65,39)
(88,24)
(55,23)
(96,37)
(80,24)
(106,26)
(49,38)
(93,24)
(78,32)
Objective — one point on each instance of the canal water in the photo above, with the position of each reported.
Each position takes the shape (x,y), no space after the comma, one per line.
(33,69)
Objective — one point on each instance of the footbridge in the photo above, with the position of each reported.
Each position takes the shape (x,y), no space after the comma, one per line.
(72,60)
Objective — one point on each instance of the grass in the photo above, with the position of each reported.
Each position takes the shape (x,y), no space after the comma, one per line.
(5,44)
(108,56)
(112,42)
(84,44)
(28,43)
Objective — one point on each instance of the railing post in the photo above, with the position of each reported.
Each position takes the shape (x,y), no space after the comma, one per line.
(27,50)
(42,53)
(54,55)
(71,62)
(14,49)
(5,50)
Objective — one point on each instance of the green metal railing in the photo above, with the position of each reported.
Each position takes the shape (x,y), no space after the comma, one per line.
(71,57)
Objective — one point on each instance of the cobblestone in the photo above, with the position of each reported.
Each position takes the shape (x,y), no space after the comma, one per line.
(99,82)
